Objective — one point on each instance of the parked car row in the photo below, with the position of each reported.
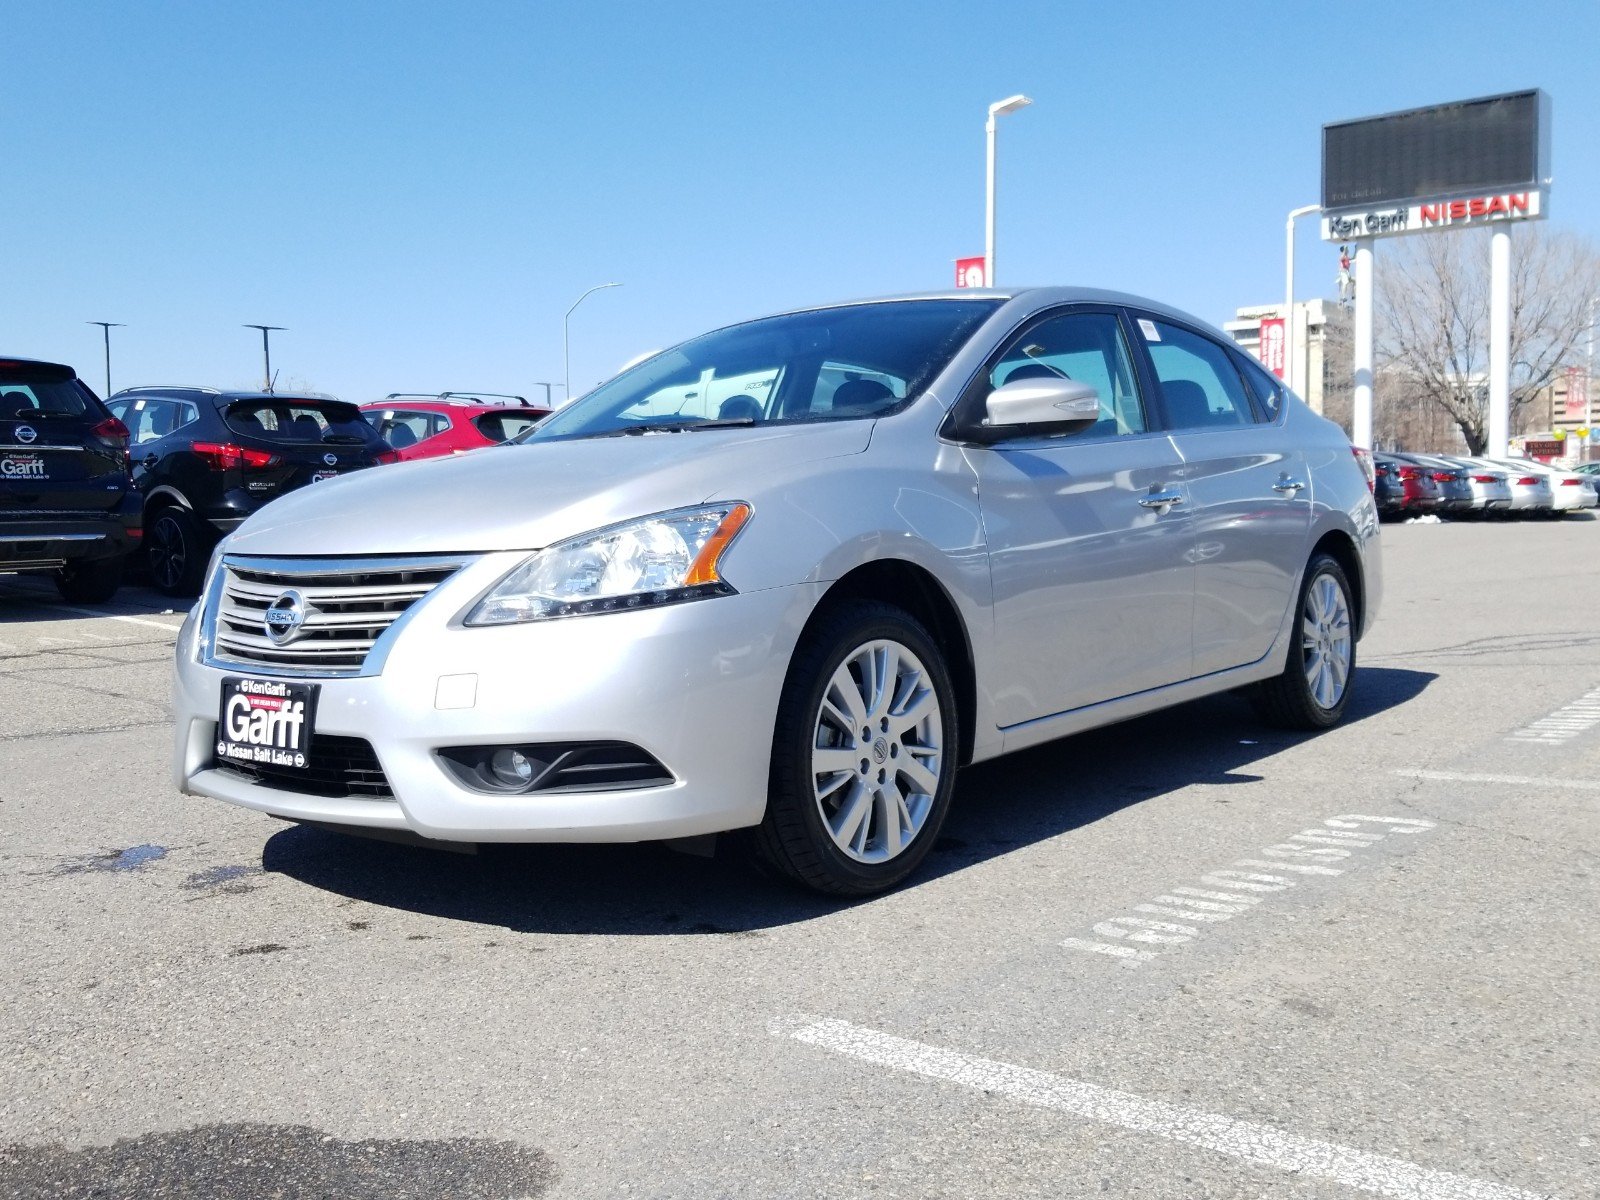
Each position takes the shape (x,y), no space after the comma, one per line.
(167,471)
(1414,485)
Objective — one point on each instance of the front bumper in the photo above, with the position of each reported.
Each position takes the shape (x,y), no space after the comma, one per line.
(694,684)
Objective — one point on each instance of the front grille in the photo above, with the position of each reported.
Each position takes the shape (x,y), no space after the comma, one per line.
(347,605)
(339,767)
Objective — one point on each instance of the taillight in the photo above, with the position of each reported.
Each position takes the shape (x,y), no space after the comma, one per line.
(1528,481)
(1410,472)
(1445,477)
(1485,479)
(386,456)
(223,456)
(112,430)
(1571,482)
(1368,471)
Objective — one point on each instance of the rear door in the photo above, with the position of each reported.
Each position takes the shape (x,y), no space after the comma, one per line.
(59,453)
(1249,489)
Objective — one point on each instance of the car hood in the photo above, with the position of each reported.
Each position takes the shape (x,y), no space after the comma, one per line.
(526,496)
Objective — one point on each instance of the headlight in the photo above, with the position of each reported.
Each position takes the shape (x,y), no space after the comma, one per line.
(662,559)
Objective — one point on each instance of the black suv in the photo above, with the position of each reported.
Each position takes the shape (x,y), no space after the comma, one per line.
(205,460)
(67,503)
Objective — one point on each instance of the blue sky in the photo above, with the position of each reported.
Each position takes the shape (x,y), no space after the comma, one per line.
(418,191)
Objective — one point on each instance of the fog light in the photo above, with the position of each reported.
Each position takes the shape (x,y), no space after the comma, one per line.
(511,767)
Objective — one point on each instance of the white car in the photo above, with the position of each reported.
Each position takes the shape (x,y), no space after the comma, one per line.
(1569,490)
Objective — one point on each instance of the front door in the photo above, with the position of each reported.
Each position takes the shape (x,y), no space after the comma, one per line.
(1093,587)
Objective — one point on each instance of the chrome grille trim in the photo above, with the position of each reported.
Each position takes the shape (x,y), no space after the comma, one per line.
(350,603)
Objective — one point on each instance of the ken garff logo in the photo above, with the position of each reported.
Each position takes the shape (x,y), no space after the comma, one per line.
(26,434)
(331,459)
(283,620)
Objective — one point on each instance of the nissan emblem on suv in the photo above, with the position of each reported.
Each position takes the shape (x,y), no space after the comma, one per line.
(331,459)
(26,434)
(283,620)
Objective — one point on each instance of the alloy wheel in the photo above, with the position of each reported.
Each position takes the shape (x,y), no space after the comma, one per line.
(166,551)
(877,753)
(1325,640)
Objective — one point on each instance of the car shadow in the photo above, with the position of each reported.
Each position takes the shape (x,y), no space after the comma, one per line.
(1000,806)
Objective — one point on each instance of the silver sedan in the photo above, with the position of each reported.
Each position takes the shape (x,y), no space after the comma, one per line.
(785,579)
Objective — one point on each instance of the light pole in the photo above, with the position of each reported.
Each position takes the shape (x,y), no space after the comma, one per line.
(107,326)
(266,351)
(1288,301)
(998,109)
(548,403)
(566,353)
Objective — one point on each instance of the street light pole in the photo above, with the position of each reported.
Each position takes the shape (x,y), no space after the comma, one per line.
(546,386)
(266,351)
(998,109)
(566,352)
(107,326)
(1288,302)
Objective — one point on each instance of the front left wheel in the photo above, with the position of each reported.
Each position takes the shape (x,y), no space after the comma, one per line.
(864,753)
(92,582)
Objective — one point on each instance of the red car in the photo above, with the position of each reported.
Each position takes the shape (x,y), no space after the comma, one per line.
(427,426)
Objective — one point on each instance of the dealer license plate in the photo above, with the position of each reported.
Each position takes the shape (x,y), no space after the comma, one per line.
(320,476)
(266,722)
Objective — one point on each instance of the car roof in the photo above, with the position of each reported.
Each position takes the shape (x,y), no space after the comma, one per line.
(11,360)
(447,406)
(224,396)
(1032,297)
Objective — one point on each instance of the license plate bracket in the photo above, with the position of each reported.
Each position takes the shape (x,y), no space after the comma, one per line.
(266,722)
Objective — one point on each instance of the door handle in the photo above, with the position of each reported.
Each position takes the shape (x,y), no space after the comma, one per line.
(1161,500)
(1287,487)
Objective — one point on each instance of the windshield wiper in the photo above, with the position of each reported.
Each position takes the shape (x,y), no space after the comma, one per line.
(680,426)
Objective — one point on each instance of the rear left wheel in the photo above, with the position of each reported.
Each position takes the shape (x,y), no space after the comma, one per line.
(1314,688)
(175,553)
(863,756)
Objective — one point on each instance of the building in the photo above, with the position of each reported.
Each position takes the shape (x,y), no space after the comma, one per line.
(1321,356)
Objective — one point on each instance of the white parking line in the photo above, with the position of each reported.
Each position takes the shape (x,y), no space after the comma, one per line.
(1581,785)
(1244,1140)
(1566,723)
(89,612)
(1230,892)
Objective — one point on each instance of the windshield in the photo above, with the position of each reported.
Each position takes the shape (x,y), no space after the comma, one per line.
(861,360)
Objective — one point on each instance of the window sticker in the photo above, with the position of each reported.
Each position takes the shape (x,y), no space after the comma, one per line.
(138,406)
(1148,328)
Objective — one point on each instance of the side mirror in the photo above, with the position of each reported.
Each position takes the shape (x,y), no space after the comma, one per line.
(1066,405)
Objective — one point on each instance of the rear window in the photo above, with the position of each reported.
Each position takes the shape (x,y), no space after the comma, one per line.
(31,392)
(299,421)
(502,426)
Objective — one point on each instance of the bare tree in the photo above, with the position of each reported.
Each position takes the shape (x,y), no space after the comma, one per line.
(1432,318)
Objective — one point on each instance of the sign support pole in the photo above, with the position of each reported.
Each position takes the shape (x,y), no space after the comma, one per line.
(1361,412)
(1499,341)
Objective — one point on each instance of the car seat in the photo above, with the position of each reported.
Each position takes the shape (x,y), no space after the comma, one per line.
(1187,404)
(400,437)
(740,408)
(861,396)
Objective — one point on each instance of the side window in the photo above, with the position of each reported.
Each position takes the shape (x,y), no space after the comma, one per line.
(1199,382)
(184,413)
(1265,388)
(1087,347)
(849,388)
(148,420)
(119,409)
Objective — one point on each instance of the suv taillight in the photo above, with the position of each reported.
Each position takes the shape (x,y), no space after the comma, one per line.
(1368,472)
(112,430)
(222,456)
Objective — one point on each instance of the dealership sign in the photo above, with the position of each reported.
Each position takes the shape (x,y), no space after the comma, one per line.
(970,273)
(1434,214)
(1270,348)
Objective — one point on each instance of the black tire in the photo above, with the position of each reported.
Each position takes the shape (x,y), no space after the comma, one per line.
(175,552)
(1289,700)
(92,582)
(793,838)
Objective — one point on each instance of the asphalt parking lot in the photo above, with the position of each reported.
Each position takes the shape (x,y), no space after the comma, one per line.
(1184,957)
